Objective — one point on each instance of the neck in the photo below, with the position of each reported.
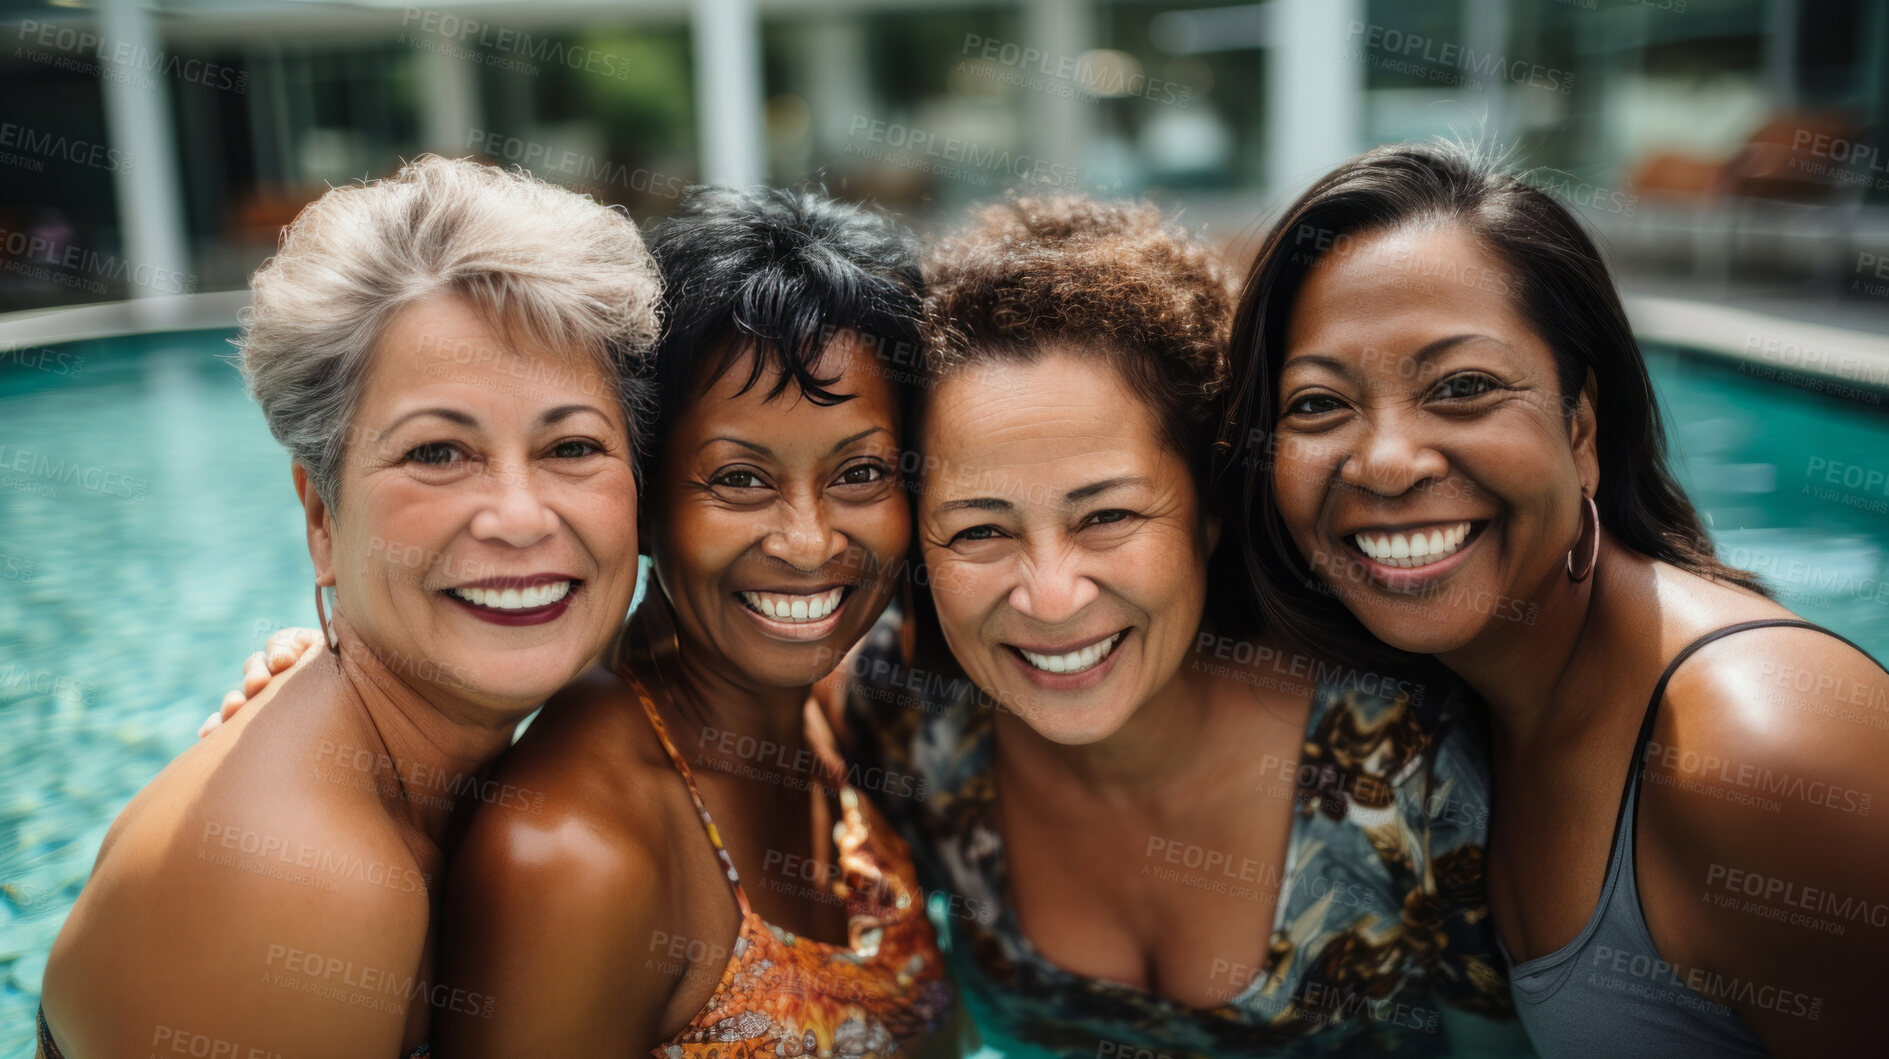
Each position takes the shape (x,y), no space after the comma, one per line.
(1522,670)
(433,748)
(1167,739)
(703,694)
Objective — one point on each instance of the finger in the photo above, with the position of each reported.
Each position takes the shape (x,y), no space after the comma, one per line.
(210,724)
(231,703)
(285,646)
(255,674)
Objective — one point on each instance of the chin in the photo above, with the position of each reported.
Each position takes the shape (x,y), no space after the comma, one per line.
(1072,724)
(1417,634)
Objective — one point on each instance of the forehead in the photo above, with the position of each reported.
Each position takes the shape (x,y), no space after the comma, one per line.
(1006,427)
(442,343)
(1414,283)
(847,355)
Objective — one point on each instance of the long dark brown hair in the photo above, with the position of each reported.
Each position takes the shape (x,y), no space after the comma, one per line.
(1557,281)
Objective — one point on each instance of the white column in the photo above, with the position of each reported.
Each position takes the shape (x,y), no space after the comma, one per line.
(727,46)
(138,120)
(833,58)
(449,102)
(1314,95)
(1057,127)
(1486,32)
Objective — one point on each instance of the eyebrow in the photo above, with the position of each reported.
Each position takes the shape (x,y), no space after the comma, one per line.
(565,411)
(1095,489)
(1073,496)
(1429,352)
(769,453)
(453,415)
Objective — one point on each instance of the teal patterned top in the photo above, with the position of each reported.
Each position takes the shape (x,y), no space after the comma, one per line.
(1382,917)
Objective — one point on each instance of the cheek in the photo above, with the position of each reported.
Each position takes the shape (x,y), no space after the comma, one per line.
(603,516)
(957,591)
(394,533)
(883,529)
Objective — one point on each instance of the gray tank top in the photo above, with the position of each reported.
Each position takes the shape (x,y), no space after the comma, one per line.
(1608,992)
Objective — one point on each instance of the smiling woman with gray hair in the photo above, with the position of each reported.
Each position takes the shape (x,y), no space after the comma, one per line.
(448,357)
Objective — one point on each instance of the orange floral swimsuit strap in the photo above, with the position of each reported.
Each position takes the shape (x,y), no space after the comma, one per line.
(783,995)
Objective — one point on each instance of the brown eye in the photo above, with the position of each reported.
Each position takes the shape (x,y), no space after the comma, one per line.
(433,453)
(1458,387)
(1313,404)
(975,533)
(862,474)
(738,480)
(575,449)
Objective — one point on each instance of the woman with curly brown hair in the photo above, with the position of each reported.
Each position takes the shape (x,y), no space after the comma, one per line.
(1170,833)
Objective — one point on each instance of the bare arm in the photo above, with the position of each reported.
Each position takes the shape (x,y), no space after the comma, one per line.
(219,943)
(1765,871)
(553,915)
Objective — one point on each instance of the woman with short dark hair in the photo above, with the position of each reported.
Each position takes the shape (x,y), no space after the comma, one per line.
(1446,442)
(707,877)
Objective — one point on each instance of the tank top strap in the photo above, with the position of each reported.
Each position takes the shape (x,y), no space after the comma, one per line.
(695,795)
(1659,692)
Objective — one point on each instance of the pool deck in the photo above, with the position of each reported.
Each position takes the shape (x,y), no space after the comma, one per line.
(1781,335)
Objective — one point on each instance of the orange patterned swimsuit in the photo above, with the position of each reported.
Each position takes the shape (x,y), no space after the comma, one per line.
(783,995)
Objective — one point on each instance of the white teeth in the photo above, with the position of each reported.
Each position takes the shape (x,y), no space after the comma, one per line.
(1415,549)
(1074,661)
(790,608)
(515,598)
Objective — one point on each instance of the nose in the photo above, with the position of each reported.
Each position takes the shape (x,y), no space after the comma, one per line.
(804,538)
(514,512)
(1392,459)
(1053,588)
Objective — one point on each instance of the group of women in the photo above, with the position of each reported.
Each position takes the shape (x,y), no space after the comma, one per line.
(1042,641)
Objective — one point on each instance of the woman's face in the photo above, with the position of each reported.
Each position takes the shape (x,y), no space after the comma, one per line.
(778,523)
(1064,539)
(1424,466)
(484,535)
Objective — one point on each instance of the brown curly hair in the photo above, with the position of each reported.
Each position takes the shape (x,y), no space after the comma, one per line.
(1112,281)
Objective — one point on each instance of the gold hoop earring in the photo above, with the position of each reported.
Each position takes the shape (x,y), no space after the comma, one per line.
(1593,552)
(328,635)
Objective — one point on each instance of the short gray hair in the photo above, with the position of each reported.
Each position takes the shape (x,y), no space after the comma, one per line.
(546,264)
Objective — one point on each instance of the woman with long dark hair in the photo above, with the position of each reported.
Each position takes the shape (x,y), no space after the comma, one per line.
(1445,443)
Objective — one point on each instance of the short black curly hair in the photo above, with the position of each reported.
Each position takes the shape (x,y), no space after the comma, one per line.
(778,272)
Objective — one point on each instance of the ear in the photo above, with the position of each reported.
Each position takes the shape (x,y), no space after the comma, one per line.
(1214,523)
(1583,427)
(320,526)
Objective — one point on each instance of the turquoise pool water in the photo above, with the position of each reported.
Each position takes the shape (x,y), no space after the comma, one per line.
(149,539)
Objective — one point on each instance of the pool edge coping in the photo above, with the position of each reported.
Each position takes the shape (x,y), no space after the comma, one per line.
(1835,354)
(76,323)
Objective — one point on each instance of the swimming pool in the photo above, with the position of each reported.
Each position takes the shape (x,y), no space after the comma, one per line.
(149,539)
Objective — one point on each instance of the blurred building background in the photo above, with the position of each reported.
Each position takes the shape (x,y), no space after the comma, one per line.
(155,147)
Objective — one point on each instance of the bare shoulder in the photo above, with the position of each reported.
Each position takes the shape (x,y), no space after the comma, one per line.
(289,912)
(1763,821)
(555,903)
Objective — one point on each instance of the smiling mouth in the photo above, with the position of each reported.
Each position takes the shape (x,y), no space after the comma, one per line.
(1415,548)
(1076,661)
(795,608)
(529,597)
